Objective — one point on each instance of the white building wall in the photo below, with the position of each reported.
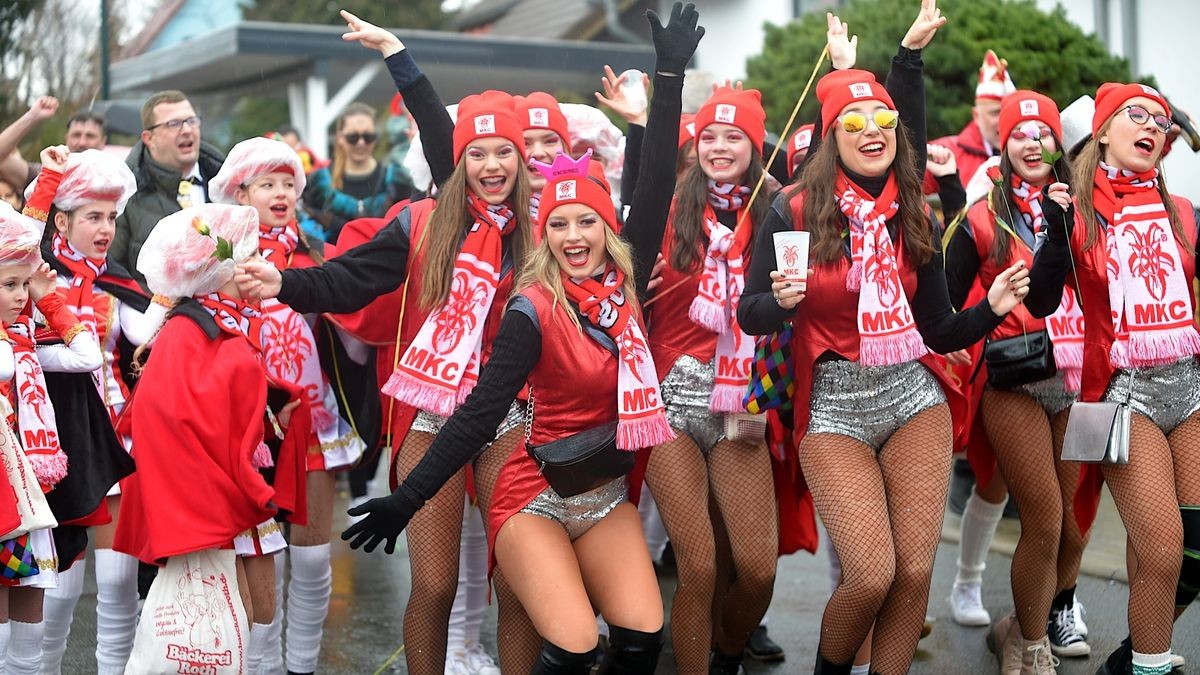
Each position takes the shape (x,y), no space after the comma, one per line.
(733,32)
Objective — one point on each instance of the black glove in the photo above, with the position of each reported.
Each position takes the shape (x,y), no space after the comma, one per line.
(386,519)
(1059,222)
(675,43)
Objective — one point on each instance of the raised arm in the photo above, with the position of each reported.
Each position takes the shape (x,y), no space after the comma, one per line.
(905,82)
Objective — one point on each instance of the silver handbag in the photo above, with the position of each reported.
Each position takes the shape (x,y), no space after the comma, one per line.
(1099,432)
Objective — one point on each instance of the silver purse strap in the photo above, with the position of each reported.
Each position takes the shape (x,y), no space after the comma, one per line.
(529,417)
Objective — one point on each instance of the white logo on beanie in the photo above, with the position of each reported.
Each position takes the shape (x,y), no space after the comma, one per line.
(485,124)
(725,113)
(1150,91)
(860,90)
(565,190)
(691,128)
(1029,108)
(539,117)
(803,139)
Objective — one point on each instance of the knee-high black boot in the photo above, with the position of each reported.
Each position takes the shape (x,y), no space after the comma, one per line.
(824,667)
(633,652)
(555,660)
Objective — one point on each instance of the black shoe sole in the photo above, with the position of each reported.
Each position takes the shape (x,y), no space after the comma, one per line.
(766,658)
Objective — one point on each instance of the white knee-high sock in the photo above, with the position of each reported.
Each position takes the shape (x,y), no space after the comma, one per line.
(5,634)
(979,521)
(24,647)
(864,669)
(835,563)
(256,648)
(116,609)
(652,524)
(1143,664)
(308,605)
(456,627)
(272,661)
(473,564)
(58,609)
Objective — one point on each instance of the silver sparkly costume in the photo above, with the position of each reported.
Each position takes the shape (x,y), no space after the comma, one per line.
(578,514)
(686,391)
(869,403)
(1167,394)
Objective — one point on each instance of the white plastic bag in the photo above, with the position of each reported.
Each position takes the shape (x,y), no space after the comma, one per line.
(193,620)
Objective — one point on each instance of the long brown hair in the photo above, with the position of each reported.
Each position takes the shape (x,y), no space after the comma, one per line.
(1084,176)
(825,220)
(1004,205)
(338,171)
(444,232)
(687,214)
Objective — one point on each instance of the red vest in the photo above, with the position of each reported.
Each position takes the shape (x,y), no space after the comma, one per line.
(672,334)
(983,228)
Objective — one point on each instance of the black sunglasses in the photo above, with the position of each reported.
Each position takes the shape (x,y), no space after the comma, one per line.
(354,138)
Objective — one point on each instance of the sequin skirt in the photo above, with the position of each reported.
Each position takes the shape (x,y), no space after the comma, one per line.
(578,514)
(686,391)
(1050,393)
(1167,394)
(869,403)
(432,423)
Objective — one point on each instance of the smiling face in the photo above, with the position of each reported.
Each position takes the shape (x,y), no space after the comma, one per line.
(14,290)
(89,228)
(542,145)
(273,195)
(357,128)
(1024,148)
(1132,146)
(491,165)
(575,234)
(723,152)
(871,151)
(175,149)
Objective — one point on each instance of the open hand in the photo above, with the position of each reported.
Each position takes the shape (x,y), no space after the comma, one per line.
(675,42)
(386,518)
(43,282)
(257,279)
(614,97)
(923,28)
(843,49)
(1009,289)
(370,36)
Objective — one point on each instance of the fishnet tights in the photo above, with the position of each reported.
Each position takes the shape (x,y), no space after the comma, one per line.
(740,479)
(1021,436)
(516,637)
(1163,472)
(884,516)
(678,478)
(433,541)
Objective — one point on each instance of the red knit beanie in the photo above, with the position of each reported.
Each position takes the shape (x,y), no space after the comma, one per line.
(540,110)
(799,141)
(843,87)
(1111,97)
(687,128)
(571,181)
(490,114)
(1024,105)
(742,109)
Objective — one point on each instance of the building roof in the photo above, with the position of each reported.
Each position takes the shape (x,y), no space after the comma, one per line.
(554,19)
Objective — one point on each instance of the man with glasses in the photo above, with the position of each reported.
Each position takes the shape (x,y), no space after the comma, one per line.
(172,166)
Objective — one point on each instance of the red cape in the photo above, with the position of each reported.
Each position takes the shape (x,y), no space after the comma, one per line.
(196,419)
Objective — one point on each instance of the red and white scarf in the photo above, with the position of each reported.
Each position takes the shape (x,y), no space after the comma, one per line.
(887,333)
(721,285)
(641,419)
(289,347)
(1148,292)
(84,273)
(441,366)
(235,317)
(38,430)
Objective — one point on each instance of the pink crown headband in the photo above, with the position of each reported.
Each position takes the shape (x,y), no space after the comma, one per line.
(565,166)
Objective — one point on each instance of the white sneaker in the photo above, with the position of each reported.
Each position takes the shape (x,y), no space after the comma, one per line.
(1177,661)
(456,663)
(1080,626)
(479,662)
(1063,631)
(967,606)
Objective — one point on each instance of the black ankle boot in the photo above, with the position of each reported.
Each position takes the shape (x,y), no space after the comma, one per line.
(633,652)
(1120,662)
(824,667)
(724,664)
(555,660)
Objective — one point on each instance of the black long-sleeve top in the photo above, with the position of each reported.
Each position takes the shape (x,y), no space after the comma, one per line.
(518,344)
(429,112)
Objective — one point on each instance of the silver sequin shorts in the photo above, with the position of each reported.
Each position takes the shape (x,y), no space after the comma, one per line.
(686,391)
(1167,394)
(432,423)
(1050,393)
(578,514)
(869,403)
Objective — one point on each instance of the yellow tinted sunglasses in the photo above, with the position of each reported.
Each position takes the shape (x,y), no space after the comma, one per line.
(856,122)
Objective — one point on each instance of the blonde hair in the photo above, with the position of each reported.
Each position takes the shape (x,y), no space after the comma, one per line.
(337,172)
(542,269)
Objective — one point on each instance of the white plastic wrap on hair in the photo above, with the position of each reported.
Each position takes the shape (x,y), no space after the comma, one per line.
(20,237)
(979,185)
(179,257)
(92,176)
(591,128)
(414,160)
(251,159)
(697,89)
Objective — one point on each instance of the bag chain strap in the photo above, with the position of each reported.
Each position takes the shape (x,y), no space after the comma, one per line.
(529,417)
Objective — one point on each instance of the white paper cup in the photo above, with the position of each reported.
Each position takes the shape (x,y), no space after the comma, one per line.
(791,253)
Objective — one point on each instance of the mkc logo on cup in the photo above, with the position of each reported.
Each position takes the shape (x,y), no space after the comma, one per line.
(1029,107)
(725,113)
(565,190)
(860,90)
(485,124)
(539,117)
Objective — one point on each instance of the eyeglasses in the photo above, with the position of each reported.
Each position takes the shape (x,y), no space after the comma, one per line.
(856,122)
(176,125)
(354,138)
(1139,115)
